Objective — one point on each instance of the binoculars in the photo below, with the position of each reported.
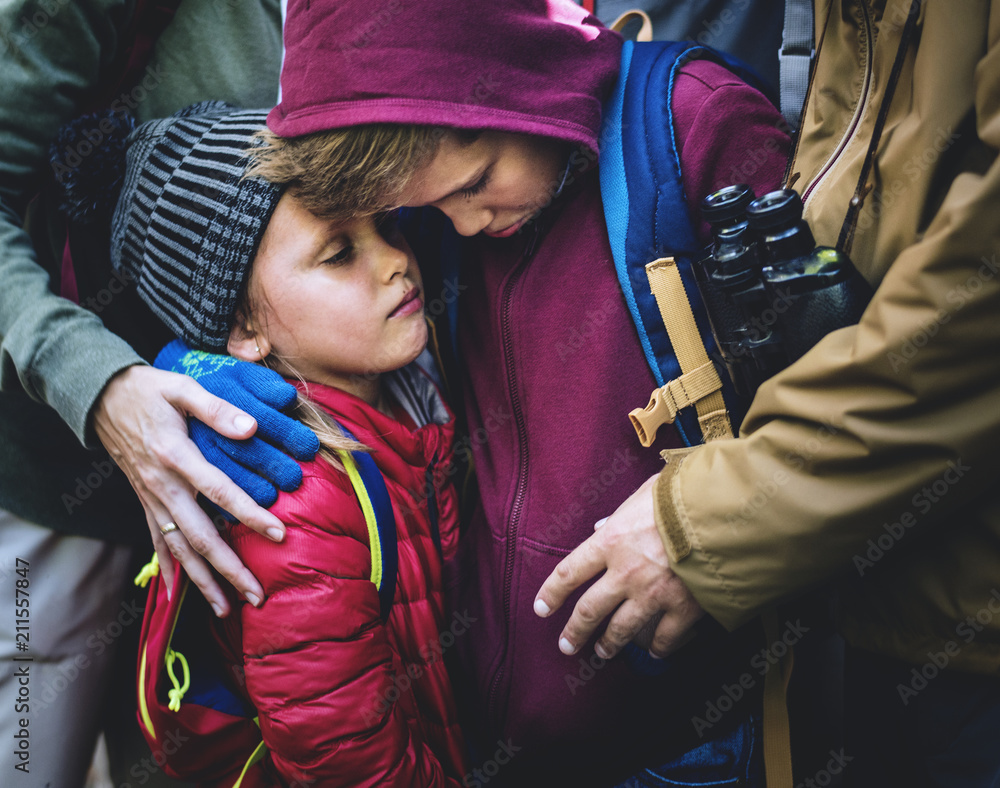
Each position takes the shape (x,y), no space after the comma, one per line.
(770,292)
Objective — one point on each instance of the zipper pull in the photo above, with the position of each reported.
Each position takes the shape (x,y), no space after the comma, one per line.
(432,507)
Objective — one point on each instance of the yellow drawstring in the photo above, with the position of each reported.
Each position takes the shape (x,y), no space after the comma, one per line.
(148,572)
(177,693)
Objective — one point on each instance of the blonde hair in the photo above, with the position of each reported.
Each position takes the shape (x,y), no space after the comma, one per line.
(332,439)
(347,173)
(342,174)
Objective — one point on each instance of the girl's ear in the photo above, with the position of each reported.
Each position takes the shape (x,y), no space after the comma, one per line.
(244,342)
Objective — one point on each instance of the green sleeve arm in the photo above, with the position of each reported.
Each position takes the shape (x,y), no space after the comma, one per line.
(51,55)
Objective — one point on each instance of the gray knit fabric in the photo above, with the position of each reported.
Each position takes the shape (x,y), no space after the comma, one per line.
(187,224)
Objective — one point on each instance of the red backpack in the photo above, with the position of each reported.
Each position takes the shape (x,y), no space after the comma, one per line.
(198,723)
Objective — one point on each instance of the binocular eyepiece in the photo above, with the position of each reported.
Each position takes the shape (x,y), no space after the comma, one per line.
(770,292)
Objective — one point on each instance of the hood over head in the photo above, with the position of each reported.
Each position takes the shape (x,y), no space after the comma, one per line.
(538,67)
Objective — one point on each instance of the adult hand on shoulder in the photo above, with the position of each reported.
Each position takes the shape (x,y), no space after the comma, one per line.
(637,585)
(141,418)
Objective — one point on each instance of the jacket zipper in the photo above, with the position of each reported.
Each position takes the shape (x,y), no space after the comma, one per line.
(522,472)
(432,505)
(858,113)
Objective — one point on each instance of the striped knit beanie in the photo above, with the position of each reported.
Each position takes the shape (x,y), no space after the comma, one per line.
(187,224)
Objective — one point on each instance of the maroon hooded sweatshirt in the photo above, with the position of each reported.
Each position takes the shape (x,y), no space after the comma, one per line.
(552,360)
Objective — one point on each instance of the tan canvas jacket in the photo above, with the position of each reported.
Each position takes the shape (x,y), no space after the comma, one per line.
(874,461)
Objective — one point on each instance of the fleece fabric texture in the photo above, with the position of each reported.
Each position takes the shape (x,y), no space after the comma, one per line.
(527,66)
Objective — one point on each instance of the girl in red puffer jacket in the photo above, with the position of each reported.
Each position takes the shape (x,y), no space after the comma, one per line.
(230,262)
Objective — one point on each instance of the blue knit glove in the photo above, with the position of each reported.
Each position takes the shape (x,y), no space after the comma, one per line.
(256,465)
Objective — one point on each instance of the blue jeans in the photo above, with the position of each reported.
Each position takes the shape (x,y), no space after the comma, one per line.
(735,758)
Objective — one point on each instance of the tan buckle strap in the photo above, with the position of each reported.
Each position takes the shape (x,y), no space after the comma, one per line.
(699,383)
(777,730)
(645,31)
(665,402)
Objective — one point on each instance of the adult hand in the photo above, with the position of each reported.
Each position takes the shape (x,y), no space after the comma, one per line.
(637,586)
(141,418)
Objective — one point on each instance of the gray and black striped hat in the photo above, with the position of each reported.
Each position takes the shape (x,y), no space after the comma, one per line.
(187,224)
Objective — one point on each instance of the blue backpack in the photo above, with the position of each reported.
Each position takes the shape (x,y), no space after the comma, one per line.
(654,243)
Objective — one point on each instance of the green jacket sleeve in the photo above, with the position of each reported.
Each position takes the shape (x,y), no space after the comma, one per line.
(870,430)
(51,56)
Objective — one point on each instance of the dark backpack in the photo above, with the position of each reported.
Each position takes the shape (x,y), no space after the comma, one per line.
(148,20)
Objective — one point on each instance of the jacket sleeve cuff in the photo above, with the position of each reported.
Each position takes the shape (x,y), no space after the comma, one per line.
(673,532)
(78,367)
(693,565)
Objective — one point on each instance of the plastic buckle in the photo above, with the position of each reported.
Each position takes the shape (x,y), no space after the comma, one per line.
(662,409)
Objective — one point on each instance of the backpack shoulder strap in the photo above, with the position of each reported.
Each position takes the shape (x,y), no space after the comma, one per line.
(653,242)
(648,220)
(369,486)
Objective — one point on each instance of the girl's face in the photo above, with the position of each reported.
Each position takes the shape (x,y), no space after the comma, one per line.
(339,302)
(493,185)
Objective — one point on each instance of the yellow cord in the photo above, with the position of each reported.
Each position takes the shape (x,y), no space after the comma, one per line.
(148,572)
(257,755)
(177,693)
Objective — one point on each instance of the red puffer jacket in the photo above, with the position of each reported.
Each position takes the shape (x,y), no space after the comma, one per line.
(344,699)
